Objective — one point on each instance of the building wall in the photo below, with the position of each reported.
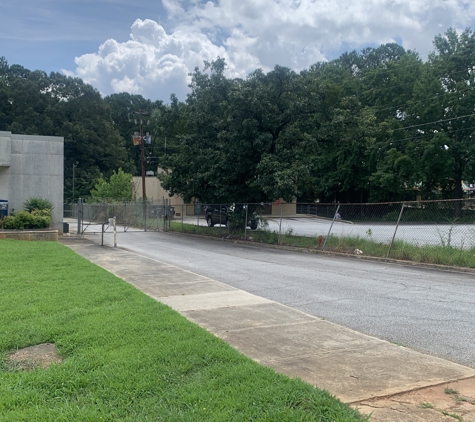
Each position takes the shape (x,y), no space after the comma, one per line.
(287,209)
(32,166)
(153,190)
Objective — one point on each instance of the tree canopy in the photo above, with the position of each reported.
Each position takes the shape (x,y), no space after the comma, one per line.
(376,125)
(34,103)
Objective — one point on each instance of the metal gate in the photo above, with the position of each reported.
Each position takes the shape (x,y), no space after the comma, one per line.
(129,216)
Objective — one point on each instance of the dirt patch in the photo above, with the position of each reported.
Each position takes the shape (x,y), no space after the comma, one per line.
(447,402)
(33,357)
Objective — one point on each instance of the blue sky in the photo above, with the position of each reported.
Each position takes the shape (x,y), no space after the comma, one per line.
(149,47)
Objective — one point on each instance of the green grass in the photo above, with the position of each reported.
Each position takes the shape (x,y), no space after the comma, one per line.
(452,415)
(126,356)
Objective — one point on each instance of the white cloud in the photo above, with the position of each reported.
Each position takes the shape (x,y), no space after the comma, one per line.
(152,63)
(260,33)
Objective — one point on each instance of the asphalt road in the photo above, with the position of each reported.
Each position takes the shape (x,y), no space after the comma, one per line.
(427,310)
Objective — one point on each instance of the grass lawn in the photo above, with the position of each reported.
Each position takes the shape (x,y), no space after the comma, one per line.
(125,356)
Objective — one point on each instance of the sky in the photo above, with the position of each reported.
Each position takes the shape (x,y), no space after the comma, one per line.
(149,47)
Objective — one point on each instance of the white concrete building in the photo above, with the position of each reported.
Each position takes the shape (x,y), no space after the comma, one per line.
(30,167)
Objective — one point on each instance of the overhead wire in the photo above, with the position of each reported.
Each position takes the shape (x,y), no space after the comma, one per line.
(422,135)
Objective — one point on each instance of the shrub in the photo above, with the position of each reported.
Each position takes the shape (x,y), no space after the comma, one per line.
(38,219)
(38,204)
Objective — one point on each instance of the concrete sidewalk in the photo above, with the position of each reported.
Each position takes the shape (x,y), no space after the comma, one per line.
(352,366)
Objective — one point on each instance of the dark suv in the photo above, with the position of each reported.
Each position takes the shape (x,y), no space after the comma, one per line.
(220,214)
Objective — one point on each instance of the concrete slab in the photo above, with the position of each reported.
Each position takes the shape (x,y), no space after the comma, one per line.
(351,365)
(212,300)
(355,374)
(182,289)
(247,317)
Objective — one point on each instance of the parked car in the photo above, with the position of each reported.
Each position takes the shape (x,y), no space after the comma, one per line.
(221,214)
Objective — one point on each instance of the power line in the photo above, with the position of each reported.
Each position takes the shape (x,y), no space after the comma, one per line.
(436,121)
(424,135)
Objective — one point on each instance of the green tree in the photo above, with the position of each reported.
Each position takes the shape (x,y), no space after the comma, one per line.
(118,188)
(168,125)
(441,119)
(384,79)
(56,105)
(244,143)
(123,109)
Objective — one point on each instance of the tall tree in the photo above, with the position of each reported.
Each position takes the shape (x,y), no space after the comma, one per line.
(244,142)
(443,116)
(35,103)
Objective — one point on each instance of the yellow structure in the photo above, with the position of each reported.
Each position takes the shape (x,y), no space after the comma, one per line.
(155,192)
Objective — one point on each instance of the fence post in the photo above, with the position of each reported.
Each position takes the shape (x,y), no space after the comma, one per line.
(245,223)
(280,223)
(114,221)
(80,216)
(331,226)
(145,216)
(395,230)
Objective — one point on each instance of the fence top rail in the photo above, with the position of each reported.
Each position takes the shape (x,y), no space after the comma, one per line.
(276,203)
(428,201)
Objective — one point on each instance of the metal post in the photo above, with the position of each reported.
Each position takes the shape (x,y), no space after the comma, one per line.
(280,223)
(245,223)
(80,216)
(182,217)
(331,226)
(395,230)
(165,211)
(114,221)
(74,167)
(125,215)
(145,216)
(102,236)
(142,156)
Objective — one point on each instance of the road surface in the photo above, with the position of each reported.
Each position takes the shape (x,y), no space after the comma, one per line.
(427,310)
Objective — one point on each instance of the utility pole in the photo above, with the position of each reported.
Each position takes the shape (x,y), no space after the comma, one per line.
(142,113)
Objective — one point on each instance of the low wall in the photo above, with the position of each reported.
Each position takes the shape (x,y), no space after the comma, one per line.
(44,235)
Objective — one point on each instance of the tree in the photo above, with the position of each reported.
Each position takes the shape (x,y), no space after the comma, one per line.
(123,110)
(244,143)
(168,124)
(118,188)
(442,116)
(56,105)
(383,81)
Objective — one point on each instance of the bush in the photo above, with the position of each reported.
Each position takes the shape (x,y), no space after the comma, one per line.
(38,204)
(38,219)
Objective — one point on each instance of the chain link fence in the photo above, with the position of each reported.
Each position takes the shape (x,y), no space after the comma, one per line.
(448,223)
(129,216)
(380,229)
(341,226)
